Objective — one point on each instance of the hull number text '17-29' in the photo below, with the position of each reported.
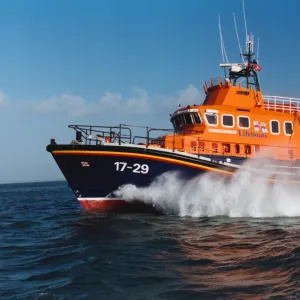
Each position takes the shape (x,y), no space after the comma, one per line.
(135,168)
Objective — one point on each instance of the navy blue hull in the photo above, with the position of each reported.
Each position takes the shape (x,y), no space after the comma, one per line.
(95,172)
(105,174)
(99,171)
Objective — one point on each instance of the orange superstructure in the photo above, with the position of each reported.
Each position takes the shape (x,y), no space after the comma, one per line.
(236,122)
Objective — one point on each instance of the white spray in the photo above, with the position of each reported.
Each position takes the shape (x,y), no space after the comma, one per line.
(244,195)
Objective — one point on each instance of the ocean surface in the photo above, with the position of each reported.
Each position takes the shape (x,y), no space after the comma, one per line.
(51,249)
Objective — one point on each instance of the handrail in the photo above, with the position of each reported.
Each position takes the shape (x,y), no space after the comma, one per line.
(88,134)
(122,133)
(99,133)
(283,104)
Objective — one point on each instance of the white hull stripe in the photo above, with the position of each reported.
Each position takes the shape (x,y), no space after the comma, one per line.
(98,199)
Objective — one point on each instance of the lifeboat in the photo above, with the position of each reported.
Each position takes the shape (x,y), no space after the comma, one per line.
(235,123)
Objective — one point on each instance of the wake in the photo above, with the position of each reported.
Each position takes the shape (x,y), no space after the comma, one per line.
(244,195)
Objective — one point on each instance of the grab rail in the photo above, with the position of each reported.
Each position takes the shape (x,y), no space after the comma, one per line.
(86,134)
(122,134)
(283,104)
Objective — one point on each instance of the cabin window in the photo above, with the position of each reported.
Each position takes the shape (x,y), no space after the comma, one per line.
(226,148)
(196,118)
(187,119)
(214,147)
(211,119)
(193,145)
(227,120)
(247,149)
(275,127)
(288,128)
(201,146)
(244,122)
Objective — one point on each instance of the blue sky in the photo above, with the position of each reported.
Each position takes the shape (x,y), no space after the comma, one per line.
(118,61)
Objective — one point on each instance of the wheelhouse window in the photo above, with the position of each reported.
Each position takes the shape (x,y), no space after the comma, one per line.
(275,127)
(177,121)
(211,119)
(244,122)
(187,119)
(288,128)
(196,118)
(227,121)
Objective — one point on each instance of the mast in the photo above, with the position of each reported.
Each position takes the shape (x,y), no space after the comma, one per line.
(246,70)
(248,56)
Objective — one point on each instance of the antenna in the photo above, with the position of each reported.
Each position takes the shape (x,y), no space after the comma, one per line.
(248,68)
(220,31)
(257,51)
(247,37)
(223,50)
(238,39)
(257,48)
(252,42)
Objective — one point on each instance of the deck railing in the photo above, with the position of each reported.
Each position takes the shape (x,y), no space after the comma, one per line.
(122,134)
(282,104)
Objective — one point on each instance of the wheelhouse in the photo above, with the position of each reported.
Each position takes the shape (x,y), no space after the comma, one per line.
(184,119)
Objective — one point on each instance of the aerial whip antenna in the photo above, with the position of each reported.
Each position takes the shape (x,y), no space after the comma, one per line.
(223,50)
(238,39)
(245,23)
(257,48)
(221,40)
(257,54)
(252,42)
